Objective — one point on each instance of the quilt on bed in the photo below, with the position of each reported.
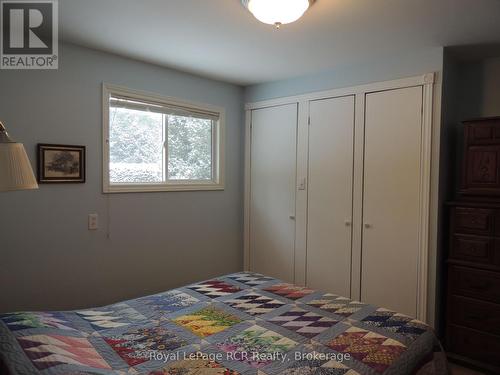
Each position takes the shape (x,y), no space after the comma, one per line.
(242,323)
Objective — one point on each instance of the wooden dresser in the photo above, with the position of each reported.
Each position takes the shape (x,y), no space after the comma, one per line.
(473,290)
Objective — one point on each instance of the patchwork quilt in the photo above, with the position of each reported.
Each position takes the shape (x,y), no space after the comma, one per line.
(243,323)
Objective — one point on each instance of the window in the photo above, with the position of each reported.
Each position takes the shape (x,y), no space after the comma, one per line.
(160,144)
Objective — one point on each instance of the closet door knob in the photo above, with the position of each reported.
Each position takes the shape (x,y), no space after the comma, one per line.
(348,223)
(368,226)
(292,217)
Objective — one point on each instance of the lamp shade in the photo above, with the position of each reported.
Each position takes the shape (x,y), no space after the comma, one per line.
(15,168)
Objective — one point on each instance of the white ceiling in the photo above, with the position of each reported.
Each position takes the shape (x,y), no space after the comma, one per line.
(220,39)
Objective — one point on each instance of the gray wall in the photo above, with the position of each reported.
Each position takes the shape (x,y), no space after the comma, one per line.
(146,242)
(491,87)
(479,89)
(384,68)
(377,69)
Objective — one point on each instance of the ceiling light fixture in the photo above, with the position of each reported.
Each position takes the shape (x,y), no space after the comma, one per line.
(277,12)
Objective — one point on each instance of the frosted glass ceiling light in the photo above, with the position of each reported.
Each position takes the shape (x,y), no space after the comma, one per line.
(277,12)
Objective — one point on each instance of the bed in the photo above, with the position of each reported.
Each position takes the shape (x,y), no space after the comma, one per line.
(243,323)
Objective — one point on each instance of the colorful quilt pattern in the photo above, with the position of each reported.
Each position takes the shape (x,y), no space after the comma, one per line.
(215,288)
(336,305)
(255,345)
(243,324)
(318,367)
(375,350)
(168,302)
(19,321)
(52,350)
(289,291)
(303,322)
(134,346)
(252,279)
(395,322)
(120,315)
(254,303)
(194,367)
(208,321)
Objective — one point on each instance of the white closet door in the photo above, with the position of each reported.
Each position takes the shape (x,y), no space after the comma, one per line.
(331,137)
(272,191)
(393,139)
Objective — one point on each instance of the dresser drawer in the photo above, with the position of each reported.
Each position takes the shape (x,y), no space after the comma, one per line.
(483,132)
(473,344)
(480,135)
(483,316)
(473,220)
(473,248)
(469,282)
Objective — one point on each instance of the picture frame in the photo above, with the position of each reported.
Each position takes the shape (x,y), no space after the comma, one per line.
(60,163)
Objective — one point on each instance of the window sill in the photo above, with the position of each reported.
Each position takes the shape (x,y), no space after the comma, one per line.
(115,189)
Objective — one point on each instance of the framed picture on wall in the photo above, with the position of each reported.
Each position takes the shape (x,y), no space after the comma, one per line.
(60,164)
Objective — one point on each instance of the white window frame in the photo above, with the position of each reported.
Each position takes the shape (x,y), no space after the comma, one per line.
(218,139)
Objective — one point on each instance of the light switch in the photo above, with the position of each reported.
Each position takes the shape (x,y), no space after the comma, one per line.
(93,221)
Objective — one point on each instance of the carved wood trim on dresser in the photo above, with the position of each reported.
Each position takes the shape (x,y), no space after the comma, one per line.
(481,173)
(473,290)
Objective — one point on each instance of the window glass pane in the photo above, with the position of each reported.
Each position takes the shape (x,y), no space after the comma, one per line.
(135,146)
(189,148)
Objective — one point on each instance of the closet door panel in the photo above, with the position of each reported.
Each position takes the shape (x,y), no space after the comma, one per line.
(331,133)
(391,200)
(272,191)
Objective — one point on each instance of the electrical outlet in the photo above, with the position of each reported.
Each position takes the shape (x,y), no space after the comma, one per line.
(93,222)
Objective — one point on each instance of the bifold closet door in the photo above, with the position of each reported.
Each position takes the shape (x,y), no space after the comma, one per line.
(331,137)
(391,217)
(272,191)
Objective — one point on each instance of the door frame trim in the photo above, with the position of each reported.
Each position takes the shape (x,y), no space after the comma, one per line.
(427,81)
